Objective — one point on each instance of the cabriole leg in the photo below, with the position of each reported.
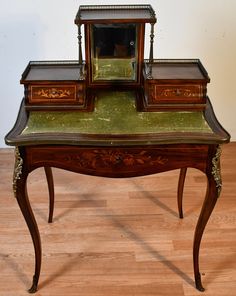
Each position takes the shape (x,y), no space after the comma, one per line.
(49,176)
(214,185)
(20,191)
(182,176)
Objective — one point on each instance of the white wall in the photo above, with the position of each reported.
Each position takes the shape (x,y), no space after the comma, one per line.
(44,30)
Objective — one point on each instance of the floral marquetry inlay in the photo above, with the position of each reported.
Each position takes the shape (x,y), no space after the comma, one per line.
(170,91)
(52,93)
(103,158)
(178,92)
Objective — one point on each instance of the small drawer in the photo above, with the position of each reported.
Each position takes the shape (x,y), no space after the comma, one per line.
(175,93)
(51,94)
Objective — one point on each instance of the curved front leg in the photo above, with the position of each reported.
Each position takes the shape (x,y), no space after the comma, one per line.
(182,176)
(49,176)
(20,191)
(214,185)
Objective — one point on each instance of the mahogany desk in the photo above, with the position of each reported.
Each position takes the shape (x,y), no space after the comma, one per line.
(115,140)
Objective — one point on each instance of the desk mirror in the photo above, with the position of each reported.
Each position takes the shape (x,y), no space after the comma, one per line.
(114,52)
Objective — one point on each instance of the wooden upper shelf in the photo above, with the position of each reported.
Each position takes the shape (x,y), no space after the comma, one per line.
(115,13)
(190,70)
(37,71)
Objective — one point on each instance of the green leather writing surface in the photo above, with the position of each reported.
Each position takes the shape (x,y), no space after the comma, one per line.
(115,113)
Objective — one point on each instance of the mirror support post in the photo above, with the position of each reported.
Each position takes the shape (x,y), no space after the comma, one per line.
(80,45)
(151,43)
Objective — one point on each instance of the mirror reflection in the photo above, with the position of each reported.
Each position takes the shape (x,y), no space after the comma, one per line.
(114,52)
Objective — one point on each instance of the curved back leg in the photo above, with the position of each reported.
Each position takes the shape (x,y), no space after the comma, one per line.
(182,176)
(49,176)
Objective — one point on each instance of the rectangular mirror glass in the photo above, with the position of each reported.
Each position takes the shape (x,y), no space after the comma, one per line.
(114,52)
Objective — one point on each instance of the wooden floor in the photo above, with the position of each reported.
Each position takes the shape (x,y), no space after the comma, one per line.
(118,236)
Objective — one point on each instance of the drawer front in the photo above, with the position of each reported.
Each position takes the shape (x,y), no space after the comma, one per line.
(175,93)
(54,94)
(119,162)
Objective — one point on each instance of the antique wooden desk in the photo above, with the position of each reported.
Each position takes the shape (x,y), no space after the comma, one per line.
(117,141)
(116,115)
